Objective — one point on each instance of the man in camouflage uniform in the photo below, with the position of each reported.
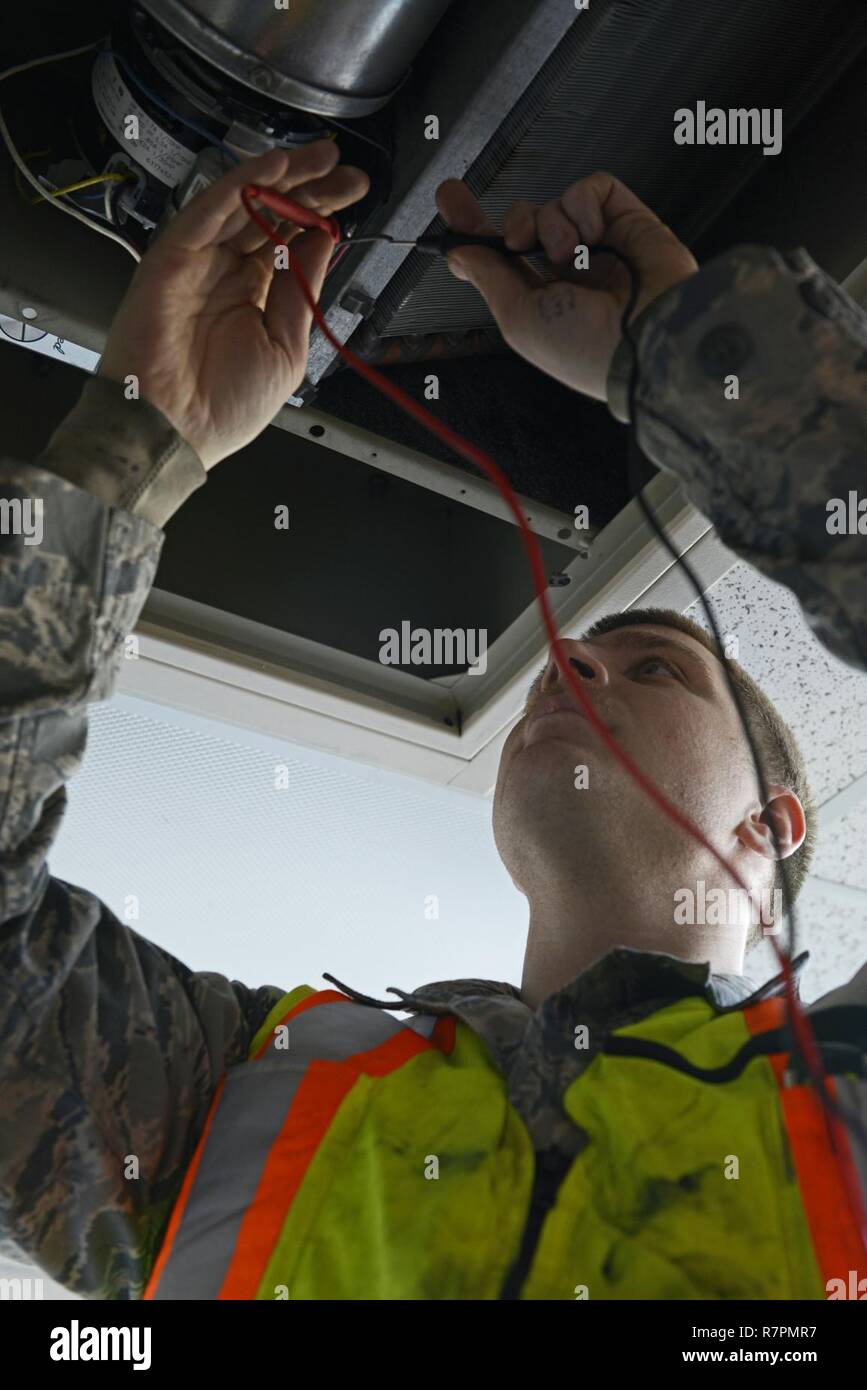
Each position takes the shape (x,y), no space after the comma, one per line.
(112,1047)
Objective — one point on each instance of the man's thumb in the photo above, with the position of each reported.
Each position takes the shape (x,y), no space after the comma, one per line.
(499,283)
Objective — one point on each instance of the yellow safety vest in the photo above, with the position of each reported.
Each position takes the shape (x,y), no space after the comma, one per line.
(358,1156)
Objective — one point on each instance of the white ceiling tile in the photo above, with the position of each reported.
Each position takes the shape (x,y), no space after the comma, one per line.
(834,933)
(823,700)
(842,852)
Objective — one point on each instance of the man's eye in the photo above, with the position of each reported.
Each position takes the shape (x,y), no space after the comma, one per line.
(657,661)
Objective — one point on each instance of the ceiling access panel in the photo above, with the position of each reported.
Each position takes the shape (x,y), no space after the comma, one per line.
(603,98)
(360,552)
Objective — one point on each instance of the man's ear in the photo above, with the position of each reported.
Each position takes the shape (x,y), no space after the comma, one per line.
(783,814)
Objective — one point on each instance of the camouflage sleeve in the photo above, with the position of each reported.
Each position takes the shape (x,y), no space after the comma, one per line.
(110,1049)
(753,392)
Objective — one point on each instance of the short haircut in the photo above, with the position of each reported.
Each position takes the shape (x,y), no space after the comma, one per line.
(781,759)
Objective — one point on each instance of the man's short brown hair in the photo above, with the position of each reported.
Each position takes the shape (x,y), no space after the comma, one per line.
(779,754)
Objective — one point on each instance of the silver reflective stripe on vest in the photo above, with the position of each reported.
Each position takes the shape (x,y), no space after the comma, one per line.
(423,1024)
(251,1112)
(333,1032)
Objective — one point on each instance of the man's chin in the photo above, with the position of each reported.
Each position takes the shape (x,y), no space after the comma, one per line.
(544,779)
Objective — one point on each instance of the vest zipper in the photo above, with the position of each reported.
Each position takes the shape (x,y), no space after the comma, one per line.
(551,1168)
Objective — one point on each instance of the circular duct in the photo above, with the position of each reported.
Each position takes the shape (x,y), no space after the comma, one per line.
(331,57)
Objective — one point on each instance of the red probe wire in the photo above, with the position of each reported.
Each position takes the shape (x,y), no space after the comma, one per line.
(307,218)
(304,217)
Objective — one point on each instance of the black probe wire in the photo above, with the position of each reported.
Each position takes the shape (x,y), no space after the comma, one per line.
(358,135)
(852,1122)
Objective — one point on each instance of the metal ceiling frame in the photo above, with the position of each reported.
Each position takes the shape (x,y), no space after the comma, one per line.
(467,489)
(198,658)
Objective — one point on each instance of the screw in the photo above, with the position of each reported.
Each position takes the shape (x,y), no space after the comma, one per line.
(262,77)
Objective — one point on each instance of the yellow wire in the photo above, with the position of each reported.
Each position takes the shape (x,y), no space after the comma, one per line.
(82,183)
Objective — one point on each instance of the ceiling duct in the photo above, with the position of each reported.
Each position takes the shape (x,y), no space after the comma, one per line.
(603,97)
(343,58)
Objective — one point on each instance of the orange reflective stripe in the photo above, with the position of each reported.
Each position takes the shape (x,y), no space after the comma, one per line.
(183,1198)
(834,1226)
(317,1100)
(762,1018)
(325,996)
(445,1032)
(300,1114)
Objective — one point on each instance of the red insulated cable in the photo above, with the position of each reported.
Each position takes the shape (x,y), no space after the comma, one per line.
(305,217)
(288,208)
(473,454)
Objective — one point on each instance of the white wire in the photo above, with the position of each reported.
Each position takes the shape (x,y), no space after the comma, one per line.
(25,172)
(52,58)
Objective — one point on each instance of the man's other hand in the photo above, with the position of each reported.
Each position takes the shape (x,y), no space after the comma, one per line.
(568,327)
(216,338)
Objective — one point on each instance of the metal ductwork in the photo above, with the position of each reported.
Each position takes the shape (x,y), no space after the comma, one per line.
(206,83)
(597,90)
(343,58)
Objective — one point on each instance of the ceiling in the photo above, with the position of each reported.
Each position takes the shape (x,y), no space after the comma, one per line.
(825,704)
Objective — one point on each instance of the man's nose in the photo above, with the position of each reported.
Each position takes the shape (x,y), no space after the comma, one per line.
(584,661)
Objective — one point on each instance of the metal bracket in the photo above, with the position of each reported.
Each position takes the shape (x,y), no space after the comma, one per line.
(357,301)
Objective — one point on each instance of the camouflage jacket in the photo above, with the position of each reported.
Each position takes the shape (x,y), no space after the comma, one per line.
(112,1047)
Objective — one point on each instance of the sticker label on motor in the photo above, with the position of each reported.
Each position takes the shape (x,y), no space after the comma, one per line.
(157,151)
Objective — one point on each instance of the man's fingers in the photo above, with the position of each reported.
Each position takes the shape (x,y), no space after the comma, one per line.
(568,327)
(607,211)
(557,232)
(519,226)
(497,278)
(287,314)
(345,184)
(500,281)
(604,209)
(559,235)
(216,214)
(461,209)
(338,189)
(304,166)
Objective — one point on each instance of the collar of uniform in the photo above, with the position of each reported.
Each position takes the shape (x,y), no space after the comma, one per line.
(621,979)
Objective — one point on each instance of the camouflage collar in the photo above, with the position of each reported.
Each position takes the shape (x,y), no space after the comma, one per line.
(535,1049)
(620,981)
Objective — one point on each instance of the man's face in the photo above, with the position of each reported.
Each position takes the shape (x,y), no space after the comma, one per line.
(564,804)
